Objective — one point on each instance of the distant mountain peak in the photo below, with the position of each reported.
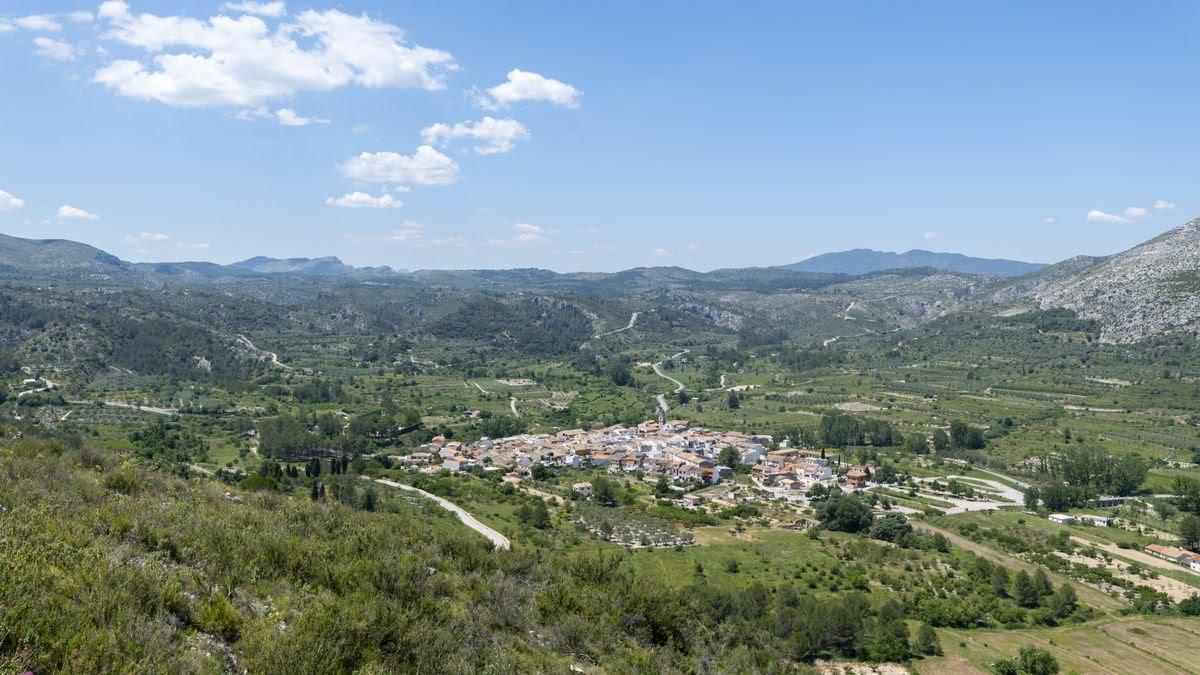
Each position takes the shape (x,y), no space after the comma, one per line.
(324,266)
(865,261)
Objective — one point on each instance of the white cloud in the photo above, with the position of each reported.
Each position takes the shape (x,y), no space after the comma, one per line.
(426,166)
(272,10)
(1129,215)
(1163,205)
(242,62)
(1050,220)
(693,247)
(6,27)
(589,230)
(10,203)
(525,86)
(288,118)
(144,238)
(40,23)
(359,200)
(524,234)
(67,212)
(496,136)
(285,116)
(411,233)
(660,253)
(57,50)
(930,234)
(81,16)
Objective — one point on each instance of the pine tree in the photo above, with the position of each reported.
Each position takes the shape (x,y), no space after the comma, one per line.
(1063,602)
(926,641)
(1042,583)
(1024,592)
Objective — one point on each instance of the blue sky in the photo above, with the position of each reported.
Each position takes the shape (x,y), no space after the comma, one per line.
(699,134)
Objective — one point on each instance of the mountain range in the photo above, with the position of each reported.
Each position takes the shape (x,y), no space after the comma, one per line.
(1134,295)
(865,261)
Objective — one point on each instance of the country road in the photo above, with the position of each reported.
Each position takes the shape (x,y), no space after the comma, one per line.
(498,540)
(661,398)
(632,321)
(272,356)
(512,405)
(130,406)
(49,386)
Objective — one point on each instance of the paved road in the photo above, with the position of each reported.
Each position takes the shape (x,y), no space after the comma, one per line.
(498,540)
(1015,497)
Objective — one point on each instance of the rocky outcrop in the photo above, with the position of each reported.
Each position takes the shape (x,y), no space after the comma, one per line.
(1149,289)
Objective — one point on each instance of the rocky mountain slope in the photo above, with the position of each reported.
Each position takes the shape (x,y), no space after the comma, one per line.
(327,266)
(1149,289)
(865,261)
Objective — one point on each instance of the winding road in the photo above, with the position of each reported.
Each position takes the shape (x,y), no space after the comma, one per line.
(272,356)
(498,540)
(632,321)
(512,405)
(661,398)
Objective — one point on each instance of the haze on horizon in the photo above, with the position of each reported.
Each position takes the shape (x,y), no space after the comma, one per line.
(595,138)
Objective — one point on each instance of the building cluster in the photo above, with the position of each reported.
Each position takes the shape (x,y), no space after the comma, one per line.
(683,453)
(1176,555)
(1080,518)
(788,472)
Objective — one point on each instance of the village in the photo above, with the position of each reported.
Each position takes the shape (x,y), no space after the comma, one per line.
(688,456)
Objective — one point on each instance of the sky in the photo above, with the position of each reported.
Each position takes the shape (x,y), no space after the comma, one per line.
(597,136)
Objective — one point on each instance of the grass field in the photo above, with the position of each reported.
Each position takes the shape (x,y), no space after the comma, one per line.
(1116,647)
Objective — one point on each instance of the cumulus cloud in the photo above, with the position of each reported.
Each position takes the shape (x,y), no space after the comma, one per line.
(68,212)
(81,16)
(1164,205)
(524,234)
(1129,215)
(143,241)
(56,50)
(288,118)
(145,238)
(285,116)
(521,86)
(39,23)
(426,166)
(10,203)
(272,10)
(411,233)
(495,136)
(931,234)
(242,62)
(362,200)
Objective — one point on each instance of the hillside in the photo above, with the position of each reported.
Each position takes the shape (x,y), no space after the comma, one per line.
(326,266)
(1149,289)
(56,256)
(865,261)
